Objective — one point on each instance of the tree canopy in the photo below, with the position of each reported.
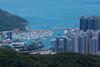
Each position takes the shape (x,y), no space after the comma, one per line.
(11,58)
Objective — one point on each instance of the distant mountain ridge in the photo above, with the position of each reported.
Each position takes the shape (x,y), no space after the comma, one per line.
(10,21)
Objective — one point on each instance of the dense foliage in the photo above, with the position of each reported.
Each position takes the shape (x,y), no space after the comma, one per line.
(10,22)
(10,58)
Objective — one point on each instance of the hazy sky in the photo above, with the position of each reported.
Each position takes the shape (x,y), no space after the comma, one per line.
(45,8)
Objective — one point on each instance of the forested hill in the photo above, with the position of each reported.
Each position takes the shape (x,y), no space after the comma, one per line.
(10,21)
(10,58)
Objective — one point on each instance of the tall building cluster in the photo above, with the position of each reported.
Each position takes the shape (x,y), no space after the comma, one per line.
(78,41)
(85,40)
(90,23)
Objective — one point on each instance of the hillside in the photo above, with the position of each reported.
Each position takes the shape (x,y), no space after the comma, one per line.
(13,59)
(10,21)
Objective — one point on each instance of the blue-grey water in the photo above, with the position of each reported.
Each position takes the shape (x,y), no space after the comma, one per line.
(47,14)
(50,14)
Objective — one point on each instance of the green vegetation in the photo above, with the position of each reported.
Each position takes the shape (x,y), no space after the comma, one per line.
(10,22)
(10,58)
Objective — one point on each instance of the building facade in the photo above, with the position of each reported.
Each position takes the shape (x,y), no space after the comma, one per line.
(89,23)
